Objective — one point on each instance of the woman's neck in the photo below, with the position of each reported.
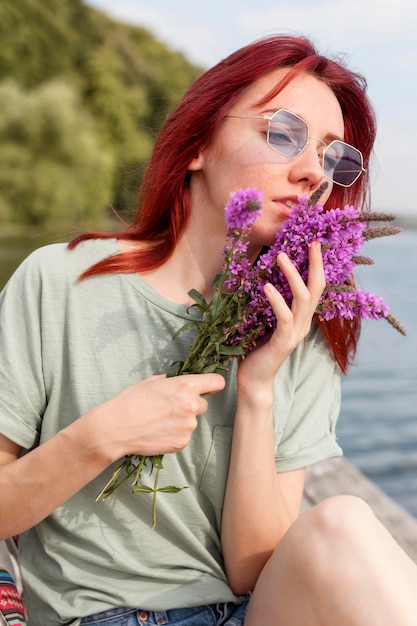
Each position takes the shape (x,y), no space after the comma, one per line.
(193,265)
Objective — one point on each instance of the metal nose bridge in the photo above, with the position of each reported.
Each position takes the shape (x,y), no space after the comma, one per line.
(320,148)
(309,138)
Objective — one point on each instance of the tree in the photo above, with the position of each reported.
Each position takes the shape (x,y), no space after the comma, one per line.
(53,165)
(123,84)
(37,40)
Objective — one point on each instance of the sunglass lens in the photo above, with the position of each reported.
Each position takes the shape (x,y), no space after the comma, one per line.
(342,163)
(287,133)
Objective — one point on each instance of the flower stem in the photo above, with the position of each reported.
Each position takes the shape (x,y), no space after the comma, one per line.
(155,490)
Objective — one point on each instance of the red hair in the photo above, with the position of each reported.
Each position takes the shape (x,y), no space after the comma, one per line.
(164,200)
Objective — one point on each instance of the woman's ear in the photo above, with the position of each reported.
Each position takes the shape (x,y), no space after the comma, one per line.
(197,163)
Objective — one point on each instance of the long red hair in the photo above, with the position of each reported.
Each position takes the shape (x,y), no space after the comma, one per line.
(164,200)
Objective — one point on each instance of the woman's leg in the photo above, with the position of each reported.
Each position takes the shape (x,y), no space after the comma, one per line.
(336,565)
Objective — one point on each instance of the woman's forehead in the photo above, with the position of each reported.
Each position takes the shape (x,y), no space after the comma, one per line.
(305,94)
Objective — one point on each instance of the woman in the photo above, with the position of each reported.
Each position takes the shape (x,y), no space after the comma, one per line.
(83,384)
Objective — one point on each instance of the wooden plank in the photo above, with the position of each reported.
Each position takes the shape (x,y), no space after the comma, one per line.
(337,476)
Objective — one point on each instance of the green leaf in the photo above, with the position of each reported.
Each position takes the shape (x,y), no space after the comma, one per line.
(142,489)
(219,303)
(198,366)
(218,281)
(156,461)
(215,368)
(171,489)
(175,369)
(210,369)
(232,350)
(196,295)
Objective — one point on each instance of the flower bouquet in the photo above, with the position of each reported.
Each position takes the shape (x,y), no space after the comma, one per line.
(239,317)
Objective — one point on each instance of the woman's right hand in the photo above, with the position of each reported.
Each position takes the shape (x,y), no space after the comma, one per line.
(155,416)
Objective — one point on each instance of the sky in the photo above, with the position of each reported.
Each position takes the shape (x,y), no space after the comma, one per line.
(378,38)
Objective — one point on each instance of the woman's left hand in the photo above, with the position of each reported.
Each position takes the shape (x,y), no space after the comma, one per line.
(258,370)
(257,513)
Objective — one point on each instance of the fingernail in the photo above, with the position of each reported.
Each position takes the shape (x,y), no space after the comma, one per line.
(284,256)
(269,288)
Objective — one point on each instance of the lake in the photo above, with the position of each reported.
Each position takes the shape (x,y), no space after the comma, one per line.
(378,423)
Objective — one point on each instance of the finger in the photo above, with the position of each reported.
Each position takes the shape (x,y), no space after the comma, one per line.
(279,306)
(205,384)
(316,281)
(301,291)
(297,285)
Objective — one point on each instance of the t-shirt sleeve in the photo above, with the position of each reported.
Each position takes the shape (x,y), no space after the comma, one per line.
(22,390)
(307,405)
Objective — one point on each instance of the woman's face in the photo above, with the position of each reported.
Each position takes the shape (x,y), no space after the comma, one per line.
(239,157)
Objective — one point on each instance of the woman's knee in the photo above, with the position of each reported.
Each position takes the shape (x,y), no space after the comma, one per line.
(330,535)
(341,518)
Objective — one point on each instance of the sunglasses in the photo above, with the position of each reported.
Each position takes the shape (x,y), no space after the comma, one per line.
(288,135)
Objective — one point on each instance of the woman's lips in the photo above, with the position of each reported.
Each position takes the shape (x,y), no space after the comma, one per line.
(285,206)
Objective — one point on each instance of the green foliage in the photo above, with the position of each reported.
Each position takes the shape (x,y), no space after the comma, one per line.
(36,40)
(52,163)
(114,83)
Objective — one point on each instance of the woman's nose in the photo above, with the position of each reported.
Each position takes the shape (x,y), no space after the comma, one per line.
(308,165)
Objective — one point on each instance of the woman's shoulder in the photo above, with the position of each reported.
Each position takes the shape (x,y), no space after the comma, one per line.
(58,260)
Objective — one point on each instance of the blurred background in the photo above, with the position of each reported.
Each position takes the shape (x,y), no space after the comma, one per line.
(82,97)
(84,89)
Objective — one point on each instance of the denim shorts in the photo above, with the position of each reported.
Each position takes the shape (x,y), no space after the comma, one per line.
(222,614)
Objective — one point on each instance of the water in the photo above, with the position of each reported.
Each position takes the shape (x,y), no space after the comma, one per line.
(378,423)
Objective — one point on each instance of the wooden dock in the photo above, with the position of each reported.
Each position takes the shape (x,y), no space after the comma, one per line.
(337,476)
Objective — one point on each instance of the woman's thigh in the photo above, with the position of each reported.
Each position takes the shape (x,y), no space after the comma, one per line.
(336,565)
(301,574)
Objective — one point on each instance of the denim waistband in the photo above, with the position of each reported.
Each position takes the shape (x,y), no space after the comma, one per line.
(221,614)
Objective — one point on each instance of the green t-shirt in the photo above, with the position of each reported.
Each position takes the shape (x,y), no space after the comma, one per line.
(67,346)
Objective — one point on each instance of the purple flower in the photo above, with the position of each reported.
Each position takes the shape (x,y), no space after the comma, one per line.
(242,210)
(352,304)
(341,233)
(242,312)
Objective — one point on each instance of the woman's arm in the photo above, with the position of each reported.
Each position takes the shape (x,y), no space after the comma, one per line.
(29,487)
(260,504)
